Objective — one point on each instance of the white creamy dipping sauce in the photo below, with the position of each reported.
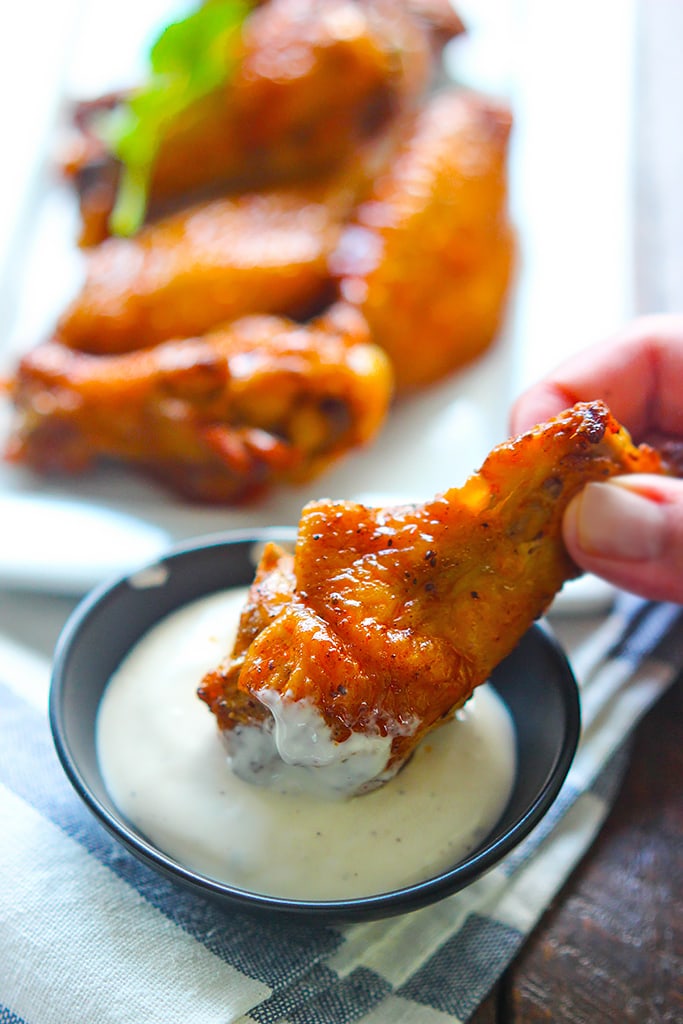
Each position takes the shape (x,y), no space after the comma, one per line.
(165,766)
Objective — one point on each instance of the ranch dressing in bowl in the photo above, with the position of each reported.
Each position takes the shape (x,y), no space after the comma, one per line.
(165,766)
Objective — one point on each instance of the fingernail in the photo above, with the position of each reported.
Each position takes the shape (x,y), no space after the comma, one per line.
(612,521)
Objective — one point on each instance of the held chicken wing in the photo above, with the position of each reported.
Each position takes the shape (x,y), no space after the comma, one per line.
(315,81)
(385,619)
(429,256)
(218,418)
(259,252)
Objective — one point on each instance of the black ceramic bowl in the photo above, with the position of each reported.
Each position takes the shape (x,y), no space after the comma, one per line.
(535,681)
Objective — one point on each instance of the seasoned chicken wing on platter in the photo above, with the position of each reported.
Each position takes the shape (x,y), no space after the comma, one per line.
(218,418)
(258,252)
(384,620)
(429,256)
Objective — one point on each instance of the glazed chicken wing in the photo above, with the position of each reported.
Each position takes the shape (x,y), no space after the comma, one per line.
(259,252)
(428,257)
(218,418)
(315,81)
(384,620)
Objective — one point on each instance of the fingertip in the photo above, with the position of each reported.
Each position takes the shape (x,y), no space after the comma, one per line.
(629,531)
(570,529)
(606,520)
(537,405)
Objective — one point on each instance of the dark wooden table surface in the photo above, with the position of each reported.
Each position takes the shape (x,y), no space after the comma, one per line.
(610,947)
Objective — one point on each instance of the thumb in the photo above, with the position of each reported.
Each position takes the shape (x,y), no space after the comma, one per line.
(629,530)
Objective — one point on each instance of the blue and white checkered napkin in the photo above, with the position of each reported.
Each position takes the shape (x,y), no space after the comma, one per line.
(90,936)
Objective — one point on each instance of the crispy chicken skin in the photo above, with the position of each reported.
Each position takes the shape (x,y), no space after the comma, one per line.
(315,80)
(258,252)
(219,418)
(386,619)
(429,256)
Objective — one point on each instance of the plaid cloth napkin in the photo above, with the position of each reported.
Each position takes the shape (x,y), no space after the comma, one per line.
(90,936)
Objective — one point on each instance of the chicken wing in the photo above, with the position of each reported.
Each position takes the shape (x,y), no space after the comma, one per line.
(429,256)
(315,81)
(385,619)
(218,418)
(259,252)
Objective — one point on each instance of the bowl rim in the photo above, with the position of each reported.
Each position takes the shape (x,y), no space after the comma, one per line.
(396,901)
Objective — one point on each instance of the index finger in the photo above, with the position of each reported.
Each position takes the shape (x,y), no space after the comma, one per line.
(638,374)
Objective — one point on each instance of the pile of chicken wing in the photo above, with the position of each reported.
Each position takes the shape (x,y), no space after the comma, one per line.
(324,231)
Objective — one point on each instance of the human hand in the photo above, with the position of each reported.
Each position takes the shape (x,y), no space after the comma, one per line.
(628,530)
